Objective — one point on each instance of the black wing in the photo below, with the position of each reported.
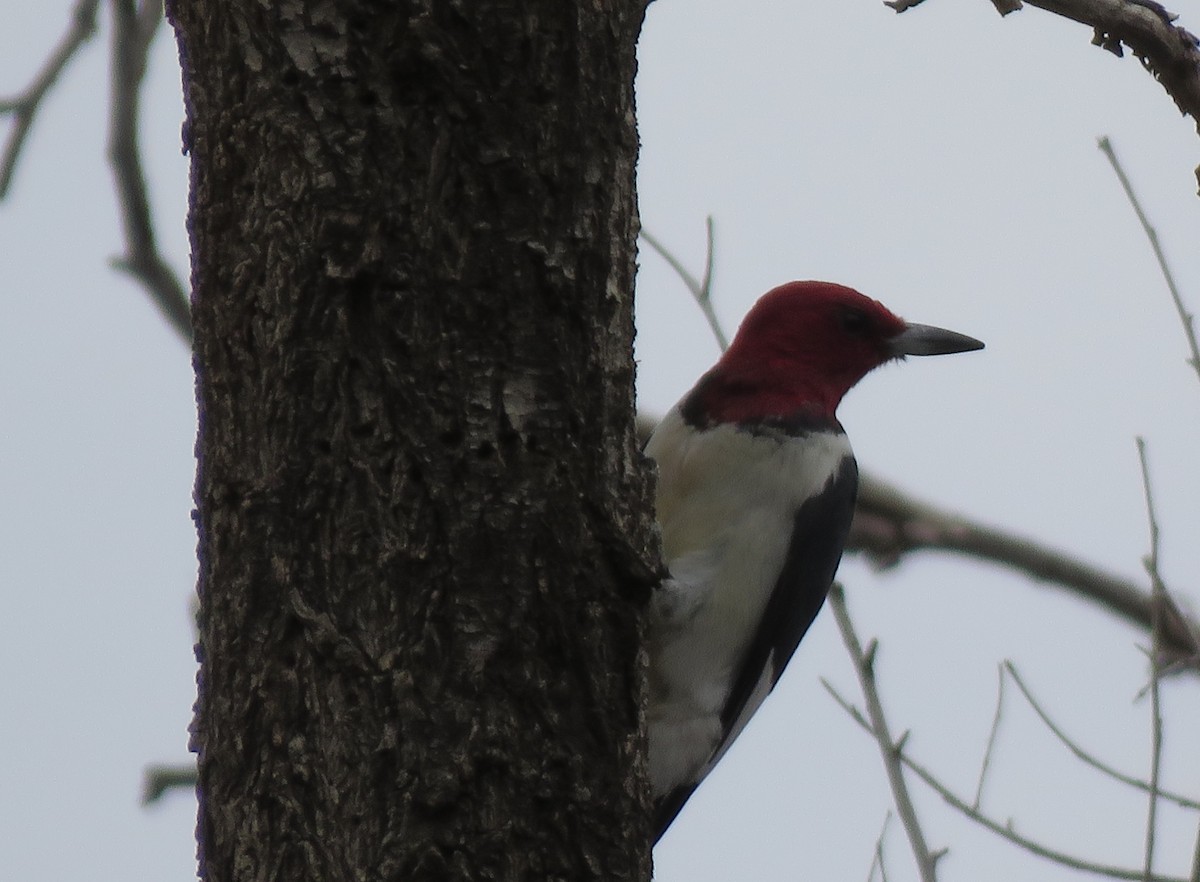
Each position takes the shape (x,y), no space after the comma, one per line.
(818,536)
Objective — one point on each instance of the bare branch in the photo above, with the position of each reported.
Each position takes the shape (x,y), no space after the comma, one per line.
(1167,51)
(1156,742)
(159,779)
(991,742)
(1185,317)
(1008,831)
(877,860)
(24,107)
(710,250)
(1088,758)
(1004,7)
(133,31)
(888,523)
(1005,830)
(1195,877)
(890,750)
(701,290)
(1158,593)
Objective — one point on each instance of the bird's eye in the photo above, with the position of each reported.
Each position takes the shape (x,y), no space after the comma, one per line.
(855,321)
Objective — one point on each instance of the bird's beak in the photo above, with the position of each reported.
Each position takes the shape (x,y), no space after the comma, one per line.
(928,340)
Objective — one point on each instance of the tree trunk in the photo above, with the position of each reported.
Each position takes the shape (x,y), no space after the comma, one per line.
(424,524)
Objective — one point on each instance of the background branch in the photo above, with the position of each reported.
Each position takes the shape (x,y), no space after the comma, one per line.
(1086,757)
(1185,317)
(1169,52)
(24,107)
(159,779)
(889,523)
(1004,830)
(1158,593)
(133,31)
(878,860)
(890,750)
(985,765)
(701,289)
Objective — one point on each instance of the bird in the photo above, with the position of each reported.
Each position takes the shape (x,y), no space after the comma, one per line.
(755,493)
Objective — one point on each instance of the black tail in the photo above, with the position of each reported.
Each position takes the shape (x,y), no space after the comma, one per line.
(669,806)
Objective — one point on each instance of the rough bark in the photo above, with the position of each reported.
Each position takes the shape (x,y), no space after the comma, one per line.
(424,525)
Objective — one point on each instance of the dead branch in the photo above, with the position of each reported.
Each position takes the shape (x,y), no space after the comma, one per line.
(701,289)
(878,860)
(1158,593)
(1170,53)
(133,31)
(1167,51)
(1186,319)
(889,523)
(985,765)
(24,107)
(1195,877)
(889,749)
(1083,755)
(1004,830)
(157,780)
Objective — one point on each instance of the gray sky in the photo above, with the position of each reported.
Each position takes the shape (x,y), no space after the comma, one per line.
(943,161)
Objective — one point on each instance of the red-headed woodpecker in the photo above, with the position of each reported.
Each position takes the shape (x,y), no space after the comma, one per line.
(756,487)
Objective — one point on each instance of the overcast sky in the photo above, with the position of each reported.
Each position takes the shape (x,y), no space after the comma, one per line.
(943,161)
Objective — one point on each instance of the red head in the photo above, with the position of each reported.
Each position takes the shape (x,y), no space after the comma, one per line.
(802,347)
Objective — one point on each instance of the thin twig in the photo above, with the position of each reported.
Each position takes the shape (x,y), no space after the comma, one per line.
(890,750)
(1158,593)
(24,107)
(1185,318)
(133,31)
(1005,830)
(705,295)
(159,779)
(991,742)
(701,290)
(1196,860)
(877,860)
(1081,754)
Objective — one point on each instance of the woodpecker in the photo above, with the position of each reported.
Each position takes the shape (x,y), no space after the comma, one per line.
(756,489)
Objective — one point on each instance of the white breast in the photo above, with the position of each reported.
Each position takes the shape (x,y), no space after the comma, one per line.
(726,503)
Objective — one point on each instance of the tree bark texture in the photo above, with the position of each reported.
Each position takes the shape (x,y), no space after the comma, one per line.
(424,527)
